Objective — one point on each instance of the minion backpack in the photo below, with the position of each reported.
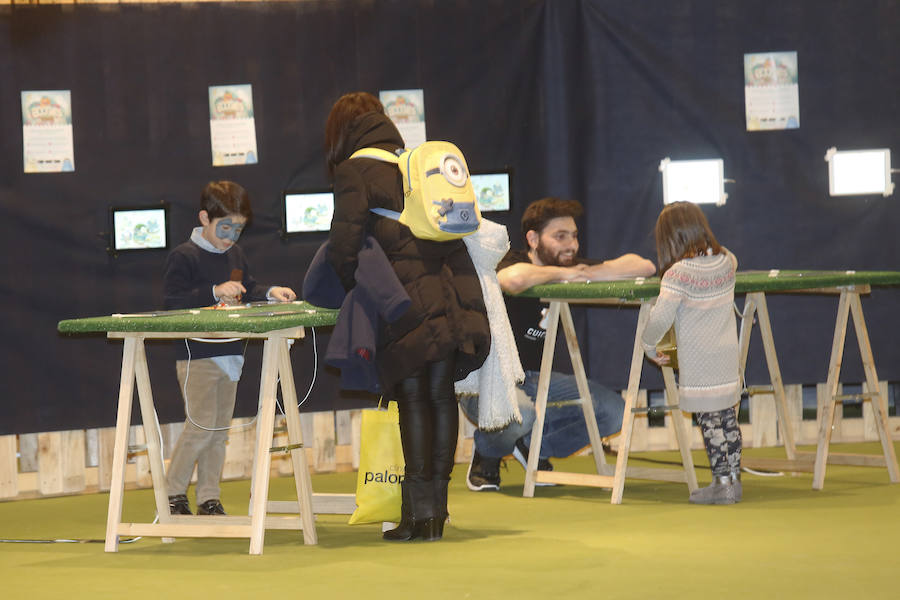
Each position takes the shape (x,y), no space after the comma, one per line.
(439,202)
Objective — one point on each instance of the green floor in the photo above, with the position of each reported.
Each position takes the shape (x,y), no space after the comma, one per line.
(783,541)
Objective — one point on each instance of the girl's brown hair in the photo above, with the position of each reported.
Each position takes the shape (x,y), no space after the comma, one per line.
(347,108)
(682,231)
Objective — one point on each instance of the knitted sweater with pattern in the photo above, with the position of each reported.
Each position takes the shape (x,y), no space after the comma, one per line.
(697,295)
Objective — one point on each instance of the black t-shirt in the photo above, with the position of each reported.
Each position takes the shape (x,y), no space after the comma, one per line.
(527,316)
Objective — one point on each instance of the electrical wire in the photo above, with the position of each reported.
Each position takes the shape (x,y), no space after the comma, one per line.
(71,540)
(187,376)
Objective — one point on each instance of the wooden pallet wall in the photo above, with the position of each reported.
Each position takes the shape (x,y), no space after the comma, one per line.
(76,2)
(75,462)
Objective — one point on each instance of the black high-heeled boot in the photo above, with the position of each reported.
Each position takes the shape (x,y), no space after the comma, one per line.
(435,530)
(416,513)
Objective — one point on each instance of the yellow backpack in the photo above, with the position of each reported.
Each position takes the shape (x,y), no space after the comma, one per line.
(439,202)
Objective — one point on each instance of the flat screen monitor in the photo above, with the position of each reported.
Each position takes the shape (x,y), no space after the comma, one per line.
(139,228)
(307,211)
(493,189)
(859,172)
(697,181)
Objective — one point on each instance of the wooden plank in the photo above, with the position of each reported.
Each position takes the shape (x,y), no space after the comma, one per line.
(106,440)
(265,423)
(870,423)
(334,504)
(821,403)
(343,456)
(323,441)
(586,479)
(239,451)
(302,480)
(171,432)
(540,404)
(762,417)
(90,448)
(765,328)
(459,455)
(798,465)
(343,428)
(654,474)
(209,526)
(856,460)
(49,463)
(793,396)
(356,425)
(631,395)
(72,461)
(9,467)
(141,460)
(281,461)
(640,434)
(676,421)
(28,452)
(177,530)
(880,404)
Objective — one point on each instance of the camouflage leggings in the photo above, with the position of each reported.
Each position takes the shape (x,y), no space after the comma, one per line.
(722,438)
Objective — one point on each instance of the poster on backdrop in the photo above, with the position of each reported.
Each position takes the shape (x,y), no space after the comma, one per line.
(771,91)
(47,145)
(232,128)
(406,108)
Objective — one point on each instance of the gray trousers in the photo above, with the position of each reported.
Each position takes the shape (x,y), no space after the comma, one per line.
(210,404)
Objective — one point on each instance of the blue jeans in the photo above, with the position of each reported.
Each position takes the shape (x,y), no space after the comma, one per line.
(565,431)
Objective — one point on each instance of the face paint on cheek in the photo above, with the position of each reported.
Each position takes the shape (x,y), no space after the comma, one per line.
(226,229)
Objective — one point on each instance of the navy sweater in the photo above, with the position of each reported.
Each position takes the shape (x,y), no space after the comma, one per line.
(191,272)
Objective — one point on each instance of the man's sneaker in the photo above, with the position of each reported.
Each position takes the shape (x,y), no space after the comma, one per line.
(178,505)
(484,473)
(520,453)
(211,507)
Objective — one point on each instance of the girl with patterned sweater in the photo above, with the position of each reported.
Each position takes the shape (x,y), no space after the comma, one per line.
(697,296)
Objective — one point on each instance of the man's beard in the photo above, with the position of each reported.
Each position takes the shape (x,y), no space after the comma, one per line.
(548,258)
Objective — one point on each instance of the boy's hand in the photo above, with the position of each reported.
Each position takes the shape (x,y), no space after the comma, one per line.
(283,294)
(229,290)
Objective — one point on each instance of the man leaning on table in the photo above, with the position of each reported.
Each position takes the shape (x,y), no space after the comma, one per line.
(551,234)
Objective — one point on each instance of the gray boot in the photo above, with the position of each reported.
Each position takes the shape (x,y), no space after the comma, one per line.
(738,488)
(720,491)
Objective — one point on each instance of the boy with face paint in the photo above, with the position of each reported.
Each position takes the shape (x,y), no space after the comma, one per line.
(199,273)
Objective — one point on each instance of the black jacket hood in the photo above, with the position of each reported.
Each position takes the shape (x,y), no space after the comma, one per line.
(370,130)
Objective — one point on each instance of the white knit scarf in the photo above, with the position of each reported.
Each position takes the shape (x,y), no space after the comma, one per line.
(495,382)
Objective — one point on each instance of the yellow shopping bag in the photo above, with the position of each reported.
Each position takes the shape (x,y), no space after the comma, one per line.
(381,467)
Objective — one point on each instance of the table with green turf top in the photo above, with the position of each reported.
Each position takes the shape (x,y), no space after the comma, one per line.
(277,325)
(754,285)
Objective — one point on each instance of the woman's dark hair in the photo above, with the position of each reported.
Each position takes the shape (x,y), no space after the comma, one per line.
(540,212)
(682,231)
(347,109)
(223,198)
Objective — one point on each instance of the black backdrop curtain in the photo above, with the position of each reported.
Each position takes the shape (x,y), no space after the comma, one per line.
(581,99)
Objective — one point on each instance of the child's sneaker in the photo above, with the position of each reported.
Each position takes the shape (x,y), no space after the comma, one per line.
(178,505)
(720,491)
(211,507)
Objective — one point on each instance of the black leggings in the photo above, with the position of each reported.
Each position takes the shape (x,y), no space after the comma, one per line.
(429,421)
(722,438)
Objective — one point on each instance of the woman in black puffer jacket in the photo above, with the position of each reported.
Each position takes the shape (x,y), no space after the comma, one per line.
(444,334)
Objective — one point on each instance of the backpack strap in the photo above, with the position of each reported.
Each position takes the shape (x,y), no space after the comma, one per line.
(377,154)
(386,212)
(384,156)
